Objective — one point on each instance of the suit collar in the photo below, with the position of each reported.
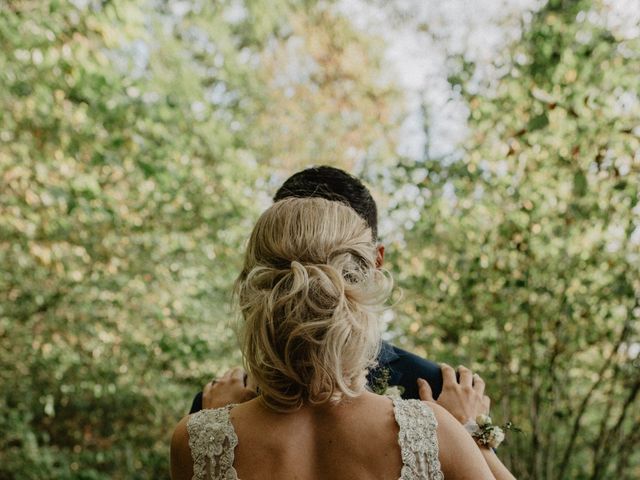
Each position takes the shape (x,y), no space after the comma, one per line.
(387,354)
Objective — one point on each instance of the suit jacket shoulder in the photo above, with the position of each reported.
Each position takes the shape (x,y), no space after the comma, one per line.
(404,369)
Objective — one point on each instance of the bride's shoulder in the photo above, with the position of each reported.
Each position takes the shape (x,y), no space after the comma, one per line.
(192,436)
(209,416)
(210,424)
(181,463)
(429,415)
(439,412)
(420,408)
(445,422)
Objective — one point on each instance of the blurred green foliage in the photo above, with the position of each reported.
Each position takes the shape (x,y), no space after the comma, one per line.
(139,140)
(133,163)
(532,273)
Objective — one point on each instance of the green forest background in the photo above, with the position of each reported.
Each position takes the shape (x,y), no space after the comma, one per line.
(128,189)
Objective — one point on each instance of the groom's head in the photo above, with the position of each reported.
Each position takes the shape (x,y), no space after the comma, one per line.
(332,184)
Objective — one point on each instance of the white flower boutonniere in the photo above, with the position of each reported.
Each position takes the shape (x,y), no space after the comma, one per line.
(394,391)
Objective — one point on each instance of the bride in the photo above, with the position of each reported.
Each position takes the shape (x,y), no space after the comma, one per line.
(309,294)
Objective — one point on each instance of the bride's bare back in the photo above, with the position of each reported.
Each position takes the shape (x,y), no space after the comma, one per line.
(357,439)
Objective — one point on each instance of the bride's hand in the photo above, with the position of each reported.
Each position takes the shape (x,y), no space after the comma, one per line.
(230,388)
(465,400)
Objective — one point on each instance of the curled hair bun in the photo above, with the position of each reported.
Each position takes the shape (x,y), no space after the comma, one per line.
(309,294)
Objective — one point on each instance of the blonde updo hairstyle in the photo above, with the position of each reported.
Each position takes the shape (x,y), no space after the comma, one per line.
(309,294)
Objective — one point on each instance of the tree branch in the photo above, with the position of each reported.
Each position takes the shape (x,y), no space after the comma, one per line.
(585,401)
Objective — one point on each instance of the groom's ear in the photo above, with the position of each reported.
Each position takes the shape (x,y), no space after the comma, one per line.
(380,256)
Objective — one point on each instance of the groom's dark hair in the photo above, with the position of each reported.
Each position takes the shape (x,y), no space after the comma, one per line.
(332,183)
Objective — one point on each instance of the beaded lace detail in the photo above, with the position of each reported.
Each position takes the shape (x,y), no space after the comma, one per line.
(212,440)
(418,440)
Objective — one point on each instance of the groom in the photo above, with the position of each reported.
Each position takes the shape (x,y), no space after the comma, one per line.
(396,367)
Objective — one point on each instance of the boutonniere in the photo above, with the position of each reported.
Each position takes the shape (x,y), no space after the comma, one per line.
(381,385)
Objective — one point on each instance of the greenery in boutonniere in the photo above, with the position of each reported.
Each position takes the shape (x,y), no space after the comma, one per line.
(380,384)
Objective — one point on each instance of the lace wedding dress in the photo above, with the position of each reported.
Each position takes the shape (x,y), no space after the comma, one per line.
(212,440)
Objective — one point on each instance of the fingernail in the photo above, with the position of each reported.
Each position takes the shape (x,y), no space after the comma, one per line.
(420,381)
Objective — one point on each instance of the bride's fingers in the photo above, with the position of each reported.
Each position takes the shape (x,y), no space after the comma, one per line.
(424,390)
(478,383)
(448,374)
(466,377)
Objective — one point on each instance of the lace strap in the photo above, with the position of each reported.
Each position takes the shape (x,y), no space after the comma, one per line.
(212,440)
(418,440)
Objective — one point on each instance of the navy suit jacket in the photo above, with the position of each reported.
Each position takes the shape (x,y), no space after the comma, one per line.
(404,370)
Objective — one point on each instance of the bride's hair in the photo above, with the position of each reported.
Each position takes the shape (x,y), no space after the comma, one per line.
(309,294)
